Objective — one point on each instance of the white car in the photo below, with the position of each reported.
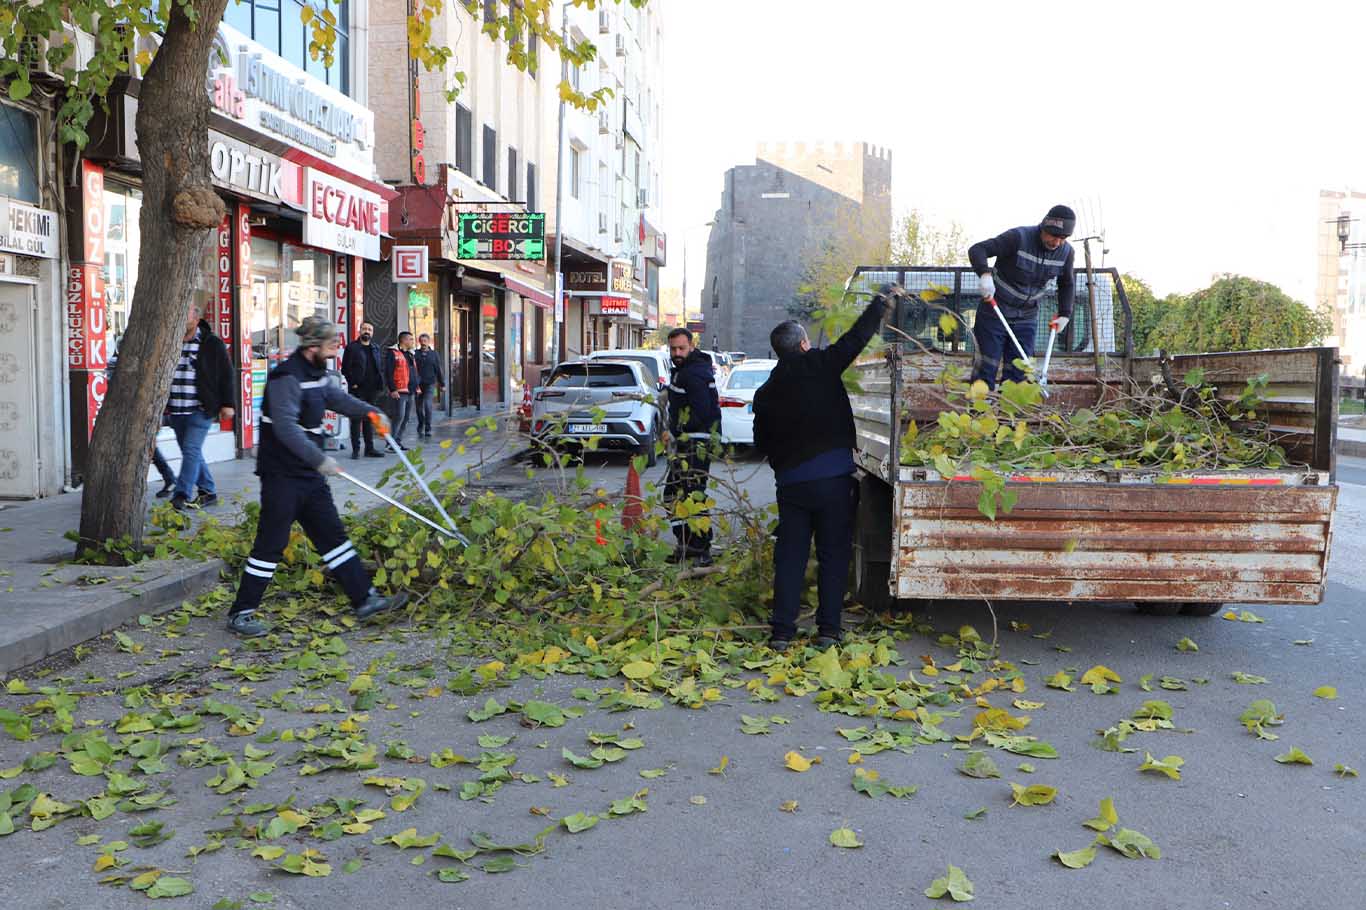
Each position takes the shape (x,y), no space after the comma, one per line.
(737,400)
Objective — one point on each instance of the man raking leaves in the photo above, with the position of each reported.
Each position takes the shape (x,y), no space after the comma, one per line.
(293,471)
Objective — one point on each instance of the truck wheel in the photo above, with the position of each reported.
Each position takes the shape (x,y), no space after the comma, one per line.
(1159,608)
(872,545)
(1200,609)
(870,582)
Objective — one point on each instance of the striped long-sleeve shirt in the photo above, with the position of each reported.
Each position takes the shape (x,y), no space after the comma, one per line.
(184,392)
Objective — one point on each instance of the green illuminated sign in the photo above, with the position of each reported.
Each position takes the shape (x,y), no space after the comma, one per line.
(501,235)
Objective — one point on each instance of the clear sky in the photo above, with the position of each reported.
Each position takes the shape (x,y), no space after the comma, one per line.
(1197,134)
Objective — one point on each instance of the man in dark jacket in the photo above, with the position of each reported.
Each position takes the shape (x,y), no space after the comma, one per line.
(429,379)
(364,372)
(293,469)
(804,425)
(1028,258)
(203,390)
(694,415)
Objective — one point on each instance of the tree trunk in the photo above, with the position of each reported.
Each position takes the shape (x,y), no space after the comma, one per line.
(179,211)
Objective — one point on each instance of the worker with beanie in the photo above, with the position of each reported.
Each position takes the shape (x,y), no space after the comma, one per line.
(1028,259)
(293,471)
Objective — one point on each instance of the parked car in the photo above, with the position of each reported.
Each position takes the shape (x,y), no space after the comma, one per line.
(656,362)
(720,365)
(737,400)
(737,357)
(610,400)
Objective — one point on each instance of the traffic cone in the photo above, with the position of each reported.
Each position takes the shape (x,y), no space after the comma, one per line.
(524,412)
(634,511)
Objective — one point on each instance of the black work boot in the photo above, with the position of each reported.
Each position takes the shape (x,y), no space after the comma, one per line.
(377,603)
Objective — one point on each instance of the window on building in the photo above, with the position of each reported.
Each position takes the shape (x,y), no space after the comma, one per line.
(279,26)
(533,50)
(464,139)
(576,156)
(576,78)
(490,162)
(715,296)
(532,189)
(490,11)
(603,194)
(19,154)
(513,173)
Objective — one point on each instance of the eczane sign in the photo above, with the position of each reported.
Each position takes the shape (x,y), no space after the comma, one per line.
(341,216)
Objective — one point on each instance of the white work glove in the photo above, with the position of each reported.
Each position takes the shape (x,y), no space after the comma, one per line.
(329,467)
(1058,323)
(988,286)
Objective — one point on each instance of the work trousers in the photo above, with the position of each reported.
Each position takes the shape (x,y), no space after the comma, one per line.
(686,481)
(307,500)
(826,508)
(994,347)
(362,426)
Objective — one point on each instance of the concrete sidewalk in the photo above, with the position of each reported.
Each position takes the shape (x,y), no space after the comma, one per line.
(47,605)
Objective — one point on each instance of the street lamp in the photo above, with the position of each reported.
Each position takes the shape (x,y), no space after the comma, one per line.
(1344,223)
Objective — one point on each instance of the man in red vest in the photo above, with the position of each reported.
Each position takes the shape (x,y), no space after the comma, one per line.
(400,381)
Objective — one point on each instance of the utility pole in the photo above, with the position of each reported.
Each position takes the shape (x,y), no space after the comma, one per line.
(559,191)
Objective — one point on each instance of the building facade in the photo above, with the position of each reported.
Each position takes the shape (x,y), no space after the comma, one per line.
(33,354)
(476,163)
(613,249)
(1341,286)
(291,147)
(777,217)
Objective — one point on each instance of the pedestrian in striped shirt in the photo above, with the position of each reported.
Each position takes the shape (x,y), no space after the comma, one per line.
(203,389)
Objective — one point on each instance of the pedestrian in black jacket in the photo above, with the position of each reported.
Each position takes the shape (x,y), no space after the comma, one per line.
(694,416)
(203,390)
(294,469)
(804,425)
(363,368)
(429,379)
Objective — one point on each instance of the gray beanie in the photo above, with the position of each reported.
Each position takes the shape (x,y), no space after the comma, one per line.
(316,331)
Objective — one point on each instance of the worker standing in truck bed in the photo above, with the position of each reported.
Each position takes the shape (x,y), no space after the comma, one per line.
(1027,259)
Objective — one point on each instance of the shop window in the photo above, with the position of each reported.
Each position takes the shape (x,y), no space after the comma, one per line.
(19,154)
(490,162)
(464,140)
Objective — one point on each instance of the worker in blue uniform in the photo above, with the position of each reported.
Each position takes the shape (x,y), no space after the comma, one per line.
(1028,259)
(294,469)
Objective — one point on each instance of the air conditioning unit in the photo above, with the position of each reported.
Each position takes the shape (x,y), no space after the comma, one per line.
(80,56)
(604,22)
(604,123)
(602,222)
(643,198)
(621,45)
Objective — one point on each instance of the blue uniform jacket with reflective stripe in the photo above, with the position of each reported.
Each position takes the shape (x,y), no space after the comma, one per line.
(694,406)
(1023,269)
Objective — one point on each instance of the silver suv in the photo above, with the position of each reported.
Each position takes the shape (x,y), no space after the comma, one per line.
(610,400)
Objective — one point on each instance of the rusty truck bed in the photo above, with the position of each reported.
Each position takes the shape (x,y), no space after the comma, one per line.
(1213,537)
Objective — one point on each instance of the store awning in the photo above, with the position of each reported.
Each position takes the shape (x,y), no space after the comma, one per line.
(535,295)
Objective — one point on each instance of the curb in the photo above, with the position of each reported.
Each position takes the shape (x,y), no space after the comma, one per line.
(158,596)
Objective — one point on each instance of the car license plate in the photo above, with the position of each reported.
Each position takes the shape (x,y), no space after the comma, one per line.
(588,428)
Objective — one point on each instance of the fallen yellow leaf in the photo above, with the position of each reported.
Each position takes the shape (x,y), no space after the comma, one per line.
(794,761)
(1099,674)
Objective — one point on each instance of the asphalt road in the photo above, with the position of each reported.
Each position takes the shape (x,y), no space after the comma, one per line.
(1238,830)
